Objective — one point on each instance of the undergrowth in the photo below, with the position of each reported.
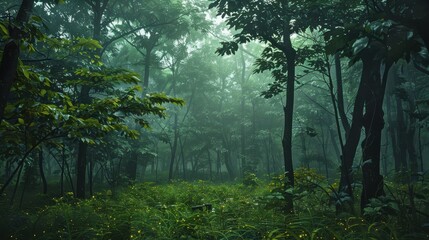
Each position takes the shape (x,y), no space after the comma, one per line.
(237,211)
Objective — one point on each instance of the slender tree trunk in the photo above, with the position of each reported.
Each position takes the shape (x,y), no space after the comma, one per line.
(244,167)
(42,173)
(156,163)
(340,96)
(392,124)
(63,163)
(305,161)
(210,164)
(267,157)
(401,132)
(91,174)
(323,143)
(144,165)
(290,54)
(228,165)
(218,165)
(131,165)
(98,8)
(422,169)
(338,108)
(411,135)
(334,143)
(182,153)
(146,75)
(81,170)
(82,151)
(173,149)
(352,140)
(385,154)
(69,175)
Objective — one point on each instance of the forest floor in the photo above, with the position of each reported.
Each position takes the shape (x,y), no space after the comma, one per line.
(203,210)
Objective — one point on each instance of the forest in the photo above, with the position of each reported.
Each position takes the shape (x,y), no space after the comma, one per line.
(214,119)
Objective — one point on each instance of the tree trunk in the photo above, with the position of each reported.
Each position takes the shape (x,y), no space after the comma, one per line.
(411,135)
(210,164)
(290,54)
(305,161)
(244,167)
(228,165)
(218,165)
(267,157)
(91,174)
(340,96)
(146,75)
(373,122)
(173,150)
(11,52)
(82,151)
(81,170)
(334,143)
(98,8)
(352,140)
(63,163)
(401,132)
(392,124)
(182,153)
(42,173)
(131,166)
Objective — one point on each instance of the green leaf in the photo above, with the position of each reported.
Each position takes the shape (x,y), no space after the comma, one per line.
(21,121)
(42,92)
(360,45)
(25,72)
(4,30)
(69,103)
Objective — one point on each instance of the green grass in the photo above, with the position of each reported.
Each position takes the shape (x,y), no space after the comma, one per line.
(149,211)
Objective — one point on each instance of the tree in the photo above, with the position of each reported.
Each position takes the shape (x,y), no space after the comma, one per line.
(268,22)
(11,52)
(380,42)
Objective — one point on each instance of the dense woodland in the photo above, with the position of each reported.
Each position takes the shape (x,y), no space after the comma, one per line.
(214,119)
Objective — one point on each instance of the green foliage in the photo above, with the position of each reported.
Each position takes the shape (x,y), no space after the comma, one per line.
(250,179)
(148,211)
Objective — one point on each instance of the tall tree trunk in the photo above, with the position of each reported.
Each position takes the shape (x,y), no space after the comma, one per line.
(290,54)
(42,173)
(182,153)
(392,124)
(338,110)
(98,7)
(373,122)
(146,75)
(173,149)
(244,167)
(91,174)
(228,164)
(81,170)
(63,165)
(340,95)
(267,157)
(352,140)
(401,132)
(411,135)
(218,165)
(422,169)
(11,52)
(305,160)
(131,165)
(334,143)
(210,164)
